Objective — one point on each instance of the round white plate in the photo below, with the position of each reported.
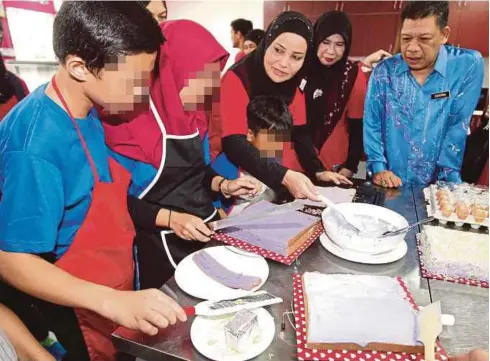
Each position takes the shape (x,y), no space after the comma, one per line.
(364,243)
(242,252)
(208,337)
(388,257)
(196,283)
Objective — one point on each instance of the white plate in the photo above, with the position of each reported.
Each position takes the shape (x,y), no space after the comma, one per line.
(389,257)
(363,243)
(196,283)
(208,337)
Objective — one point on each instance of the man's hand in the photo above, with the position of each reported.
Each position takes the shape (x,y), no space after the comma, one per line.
(387,179)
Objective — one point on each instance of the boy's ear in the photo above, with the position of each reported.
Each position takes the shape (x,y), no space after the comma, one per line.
(250,135)
(76,68)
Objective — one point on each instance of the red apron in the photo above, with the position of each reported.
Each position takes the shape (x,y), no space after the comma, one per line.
(102,251)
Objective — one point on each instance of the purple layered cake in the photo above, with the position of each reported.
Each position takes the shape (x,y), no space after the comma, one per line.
(274,233)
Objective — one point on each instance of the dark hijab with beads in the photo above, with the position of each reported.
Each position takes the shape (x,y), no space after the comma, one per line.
(251,70)
(328,88)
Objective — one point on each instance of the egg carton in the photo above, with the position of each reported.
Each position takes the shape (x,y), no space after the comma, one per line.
(464,189)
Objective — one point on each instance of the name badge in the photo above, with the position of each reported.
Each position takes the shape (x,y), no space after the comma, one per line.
(441,95)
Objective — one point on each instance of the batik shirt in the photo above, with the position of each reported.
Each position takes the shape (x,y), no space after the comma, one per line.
(419,132)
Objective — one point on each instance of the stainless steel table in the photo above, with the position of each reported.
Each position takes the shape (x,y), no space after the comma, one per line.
(175,343)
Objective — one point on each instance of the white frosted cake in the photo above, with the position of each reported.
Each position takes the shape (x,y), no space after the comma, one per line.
(454,253)
(358,311)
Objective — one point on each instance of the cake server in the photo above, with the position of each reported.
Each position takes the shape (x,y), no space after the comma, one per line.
(430,327)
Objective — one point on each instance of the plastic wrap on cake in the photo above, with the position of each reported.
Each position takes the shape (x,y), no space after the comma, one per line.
(454,255)
(458,203)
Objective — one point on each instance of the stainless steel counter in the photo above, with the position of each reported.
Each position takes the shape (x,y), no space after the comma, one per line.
(468,304)
(175,344)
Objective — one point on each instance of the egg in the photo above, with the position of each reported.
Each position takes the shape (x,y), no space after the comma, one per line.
(462,211)
(444,203)
(447,211)
(479,215)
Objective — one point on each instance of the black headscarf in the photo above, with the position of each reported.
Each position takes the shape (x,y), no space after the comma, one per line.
(328,88)
(251,69)
(255,36)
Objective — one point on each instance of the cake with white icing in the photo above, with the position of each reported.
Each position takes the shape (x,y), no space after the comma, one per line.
(359,312)
(454,253)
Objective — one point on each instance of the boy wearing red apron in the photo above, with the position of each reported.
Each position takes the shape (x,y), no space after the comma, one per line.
(66,238)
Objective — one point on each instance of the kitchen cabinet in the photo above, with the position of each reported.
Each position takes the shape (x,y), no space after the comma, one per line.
(375,23)
(381,31)
(359,36)
(370,7)
(469,23)
(272,9)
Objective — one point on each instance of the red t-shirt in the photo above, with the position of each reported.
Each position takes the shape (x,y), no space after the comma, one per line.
(239,56)
(234,100)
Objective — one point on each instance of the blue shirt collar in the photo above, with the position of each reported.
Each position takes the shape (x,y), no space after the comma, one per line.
(440,66)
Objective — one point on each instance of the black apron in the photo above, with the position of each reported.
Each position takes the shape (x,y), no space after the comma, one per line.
(178,186)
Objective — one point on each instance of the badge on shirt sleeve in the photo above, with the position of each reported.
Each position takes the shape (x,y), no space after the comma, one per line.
(440,95)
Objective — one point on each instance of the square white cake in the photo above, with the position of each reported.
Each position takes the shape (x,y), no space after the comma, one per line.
(358,309)
(454,253)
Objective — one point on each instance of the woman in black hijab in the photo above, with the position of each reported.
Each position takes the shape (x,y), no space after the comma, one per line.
(276,68)
(335,92)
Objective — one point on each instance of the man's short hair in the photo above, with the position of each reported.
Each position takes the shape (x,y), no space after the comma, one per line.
(415,10)
(241,25)
(98,31)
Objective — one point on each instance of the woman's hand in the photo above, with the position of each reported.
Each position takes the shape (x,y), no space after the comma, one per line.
(300,186)
(375,57)
(189,227)
(336,178)
(244,186)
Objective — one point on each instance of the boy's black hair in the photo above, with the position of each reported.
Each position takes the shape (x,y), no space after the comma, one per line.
(415,10)
(255,35)
(98,31)
(242,25)
(145,3)
(268,112)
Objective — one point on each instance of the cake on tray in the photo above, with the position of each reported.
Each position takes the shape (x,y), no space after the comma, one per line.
(283,233)
(359,312)
(454,253)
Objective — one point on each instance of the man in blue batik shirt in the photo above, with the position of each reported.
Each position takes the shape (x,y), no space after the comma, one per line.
(419,103)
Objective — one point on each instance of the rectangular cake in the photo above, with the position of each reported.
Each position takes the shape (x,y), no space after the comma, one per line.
(454,253)
(359,312)
(283,233)
(240,330)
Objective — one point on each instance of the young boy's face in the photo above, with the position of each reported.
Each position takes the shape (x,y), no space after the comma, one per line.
(123,83)
(270,143)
